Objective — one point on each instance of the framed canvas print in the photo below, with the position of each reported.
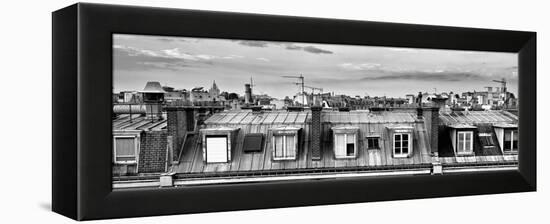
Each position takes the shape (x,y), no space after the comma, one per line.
(194,111)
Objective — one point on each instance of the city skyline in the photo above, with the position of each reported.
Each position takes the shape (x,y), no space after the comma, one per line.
(185,63)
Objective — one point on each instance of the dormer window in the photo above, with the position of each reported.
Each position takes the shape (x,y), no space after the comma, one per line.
(465,143)
(401,138)
(510,141)
(285,143)
(284,146)
(507,135)
(217,143)
(126,149)
(462,138)
(126,146)
(345,142)
(401,144)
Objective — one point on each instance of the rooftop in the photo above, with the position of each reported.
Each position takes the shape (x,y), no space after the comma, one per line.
(477,117)
(138,122)
(243,117)
(152,87)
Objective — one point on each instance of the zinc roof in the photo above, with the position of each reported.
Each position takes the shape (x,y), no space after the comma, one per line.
(475,117)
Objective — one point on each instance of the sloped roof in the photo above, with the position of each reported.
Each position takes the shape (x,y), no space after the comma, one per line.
(262,161)
(244,117)
(461,126)
(138,122)
(357,117)
(477,117)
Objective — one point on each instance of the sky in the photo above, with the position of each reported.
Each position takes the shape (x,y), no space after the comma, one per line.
(185,63)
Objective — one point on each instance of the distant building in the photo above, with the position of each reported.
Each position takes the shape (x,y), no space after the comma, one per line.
(129,97)
(198,94)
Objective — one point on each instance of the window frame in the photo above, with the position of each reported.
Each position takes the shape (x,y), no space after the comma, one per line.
(377,138)
(409,145)
(285,149)
(458,139)
(512,133)
(346,156)
(247,138)
(226,150)
(136,149)
(489,136)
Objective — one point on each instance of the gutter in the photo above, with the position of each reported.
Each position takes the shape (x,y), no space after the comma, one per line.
(164,182)
(175,180)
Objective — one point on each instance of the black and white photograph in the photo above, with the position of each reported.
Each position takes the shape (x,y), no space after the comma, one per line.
(242,111)
(202,111)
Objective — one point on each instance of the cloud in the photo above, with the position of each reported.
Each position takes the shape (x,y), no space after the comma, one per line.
(315,50)
(170,39)
(359,67)
(309,49)
(263,59)
(402,49)
(177,53)
(438,75)
(232,56)
(253,43)
(293,47)
(174,66)
(130,58)
(288,46)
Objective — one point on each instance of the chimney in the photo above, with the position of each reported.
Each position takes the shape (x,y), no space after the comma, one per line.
(419,110)
(316,132)
(180,121)
(431,121)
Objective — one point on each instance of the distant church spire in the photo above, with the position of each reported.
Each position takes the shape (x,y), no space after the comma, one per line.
(214,90)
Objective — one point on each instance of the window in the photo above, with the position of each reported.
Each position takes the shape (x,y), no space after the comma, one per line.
(216,149)
(510,141)
(344,145)
(125,148)
(486,139)
(373,143)
(465,143)
(253,142)
(284,147)
(401,144)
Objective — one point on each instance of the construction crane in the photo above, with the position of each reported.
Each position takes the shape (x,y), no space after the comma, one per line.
(314,88)
(251,82)
(300,83)
(502,88)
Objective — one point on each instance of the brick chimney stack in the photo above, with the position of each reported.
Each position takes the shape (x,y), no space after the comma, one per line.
(316,132)
(180,120)
(431,121)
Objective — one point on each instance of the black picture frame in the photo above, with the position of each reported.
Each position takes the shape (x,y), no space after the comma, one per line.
(82,82)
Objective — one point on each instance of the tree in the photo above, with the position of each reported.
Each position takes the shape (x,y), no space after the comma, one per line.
(232,96)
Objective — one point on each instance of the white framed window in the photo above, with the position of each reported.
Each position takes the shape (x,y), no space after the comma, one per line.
(402,144)
(344,145)
(510,141)
(216,149)
(465,142)
(125,149)
(284,146)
